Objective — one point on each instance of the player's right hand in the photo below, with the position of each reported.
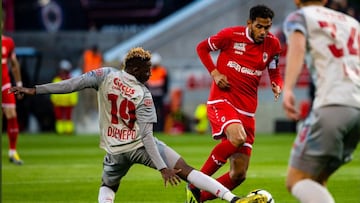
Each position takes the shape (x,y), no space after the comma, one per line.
(289,105)
(22,91)
(170,176)
(220,79)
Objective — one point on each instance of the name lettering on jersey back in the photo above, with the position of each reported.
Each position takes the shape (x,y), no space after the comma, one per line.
(331,14)
(121,134)
(243,69)
(118,85)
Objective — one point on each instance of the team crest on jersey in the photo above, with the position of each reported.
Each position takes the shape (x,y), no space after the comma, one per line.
(239,46)
(265,57)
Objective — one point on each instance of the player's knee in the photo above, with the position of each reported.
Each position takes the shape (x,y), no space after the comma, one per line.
(238,139)
(236,134)
(185,168)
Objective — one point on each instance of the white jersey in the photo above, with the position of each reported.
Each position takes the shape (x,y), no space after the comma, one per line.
(124,103)
(333,53)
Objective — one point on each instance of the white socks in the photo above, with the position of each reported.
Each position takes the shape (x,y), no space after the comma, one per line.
(12,152)
(106,195)
(205,182)
(309,191)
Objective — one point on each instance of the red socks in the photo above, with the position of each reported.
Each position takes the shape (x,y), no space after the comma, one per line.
(218,157)
(226,181)
(13,132)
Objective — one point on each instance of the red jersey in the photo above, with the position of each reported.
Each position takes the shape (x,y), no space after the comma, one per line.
(7,48)
(243,62)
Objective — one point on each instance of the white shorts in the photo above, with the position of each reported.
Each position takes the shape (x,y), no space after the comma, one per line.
(326,140)
(116,166)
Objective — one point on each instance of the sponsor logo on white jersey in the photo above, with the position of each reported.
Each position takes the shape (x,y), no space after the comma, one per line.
(125,89)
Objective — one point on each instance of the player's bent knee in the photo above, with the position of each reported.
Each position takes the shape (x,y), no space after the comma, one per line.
(236,134)
(237,140)
(185,168)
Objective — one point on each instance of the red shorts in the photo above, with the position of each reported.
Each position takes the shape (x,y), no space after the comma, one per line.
(63,112)
(221,114)
(8,100)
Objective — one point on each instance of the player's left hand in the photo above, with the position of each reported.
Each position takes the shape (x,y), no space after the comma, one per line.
(276,90)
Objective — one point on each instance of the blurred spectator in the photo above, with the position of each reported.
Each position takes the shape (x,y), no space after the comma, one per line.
(8,9)
(176,121)
(64,103)
(92,59)
(201,119)
(345,6)
(158,86)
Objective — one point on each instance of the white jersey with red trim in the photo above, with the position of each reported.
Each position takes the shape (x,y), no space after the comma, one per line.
(124,103)
(333,53)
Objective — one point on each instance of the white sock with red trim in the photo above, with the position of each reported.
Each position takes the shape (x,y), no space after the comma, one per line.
(309,191)
(106,195)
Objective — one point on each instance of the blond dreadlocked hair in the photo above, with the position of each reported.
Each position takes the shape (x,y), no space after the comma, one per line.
(137,63)
(138,52)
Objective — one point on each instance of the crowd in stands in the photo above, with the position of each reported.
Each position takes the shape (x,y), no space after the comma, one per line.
(349,7)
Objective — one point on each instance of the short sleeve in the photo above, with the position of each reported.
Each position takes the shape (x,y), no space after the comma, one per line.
(294,22)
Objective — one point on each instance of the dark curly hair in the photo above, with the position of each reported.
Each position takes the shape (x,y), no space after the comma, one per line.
(261,11)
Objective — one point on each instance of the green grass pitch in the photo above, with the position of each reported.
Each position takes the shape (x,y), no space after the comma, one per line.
(65,169)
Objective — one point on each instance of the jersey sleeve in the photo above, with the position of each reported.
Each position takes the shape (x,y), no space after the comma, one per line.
(90,79)
(146,110)
(295,21)
(150,146)
(273,69)
(213,43)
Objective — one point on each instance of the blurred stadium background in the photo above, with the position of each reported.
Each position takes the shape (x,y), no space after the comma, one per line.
(46,31)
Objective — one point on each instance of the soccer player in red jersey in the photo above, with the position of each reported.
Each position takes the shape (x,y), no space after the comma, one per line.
(8,102)
(244,53)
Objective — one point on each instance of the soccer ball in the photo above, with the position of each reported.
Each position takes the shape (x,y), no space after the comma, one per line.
(270,199)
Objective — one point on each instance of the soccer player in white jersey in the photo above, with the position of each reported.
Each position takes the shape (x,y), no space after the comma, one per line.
(329,41)
(127,114)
